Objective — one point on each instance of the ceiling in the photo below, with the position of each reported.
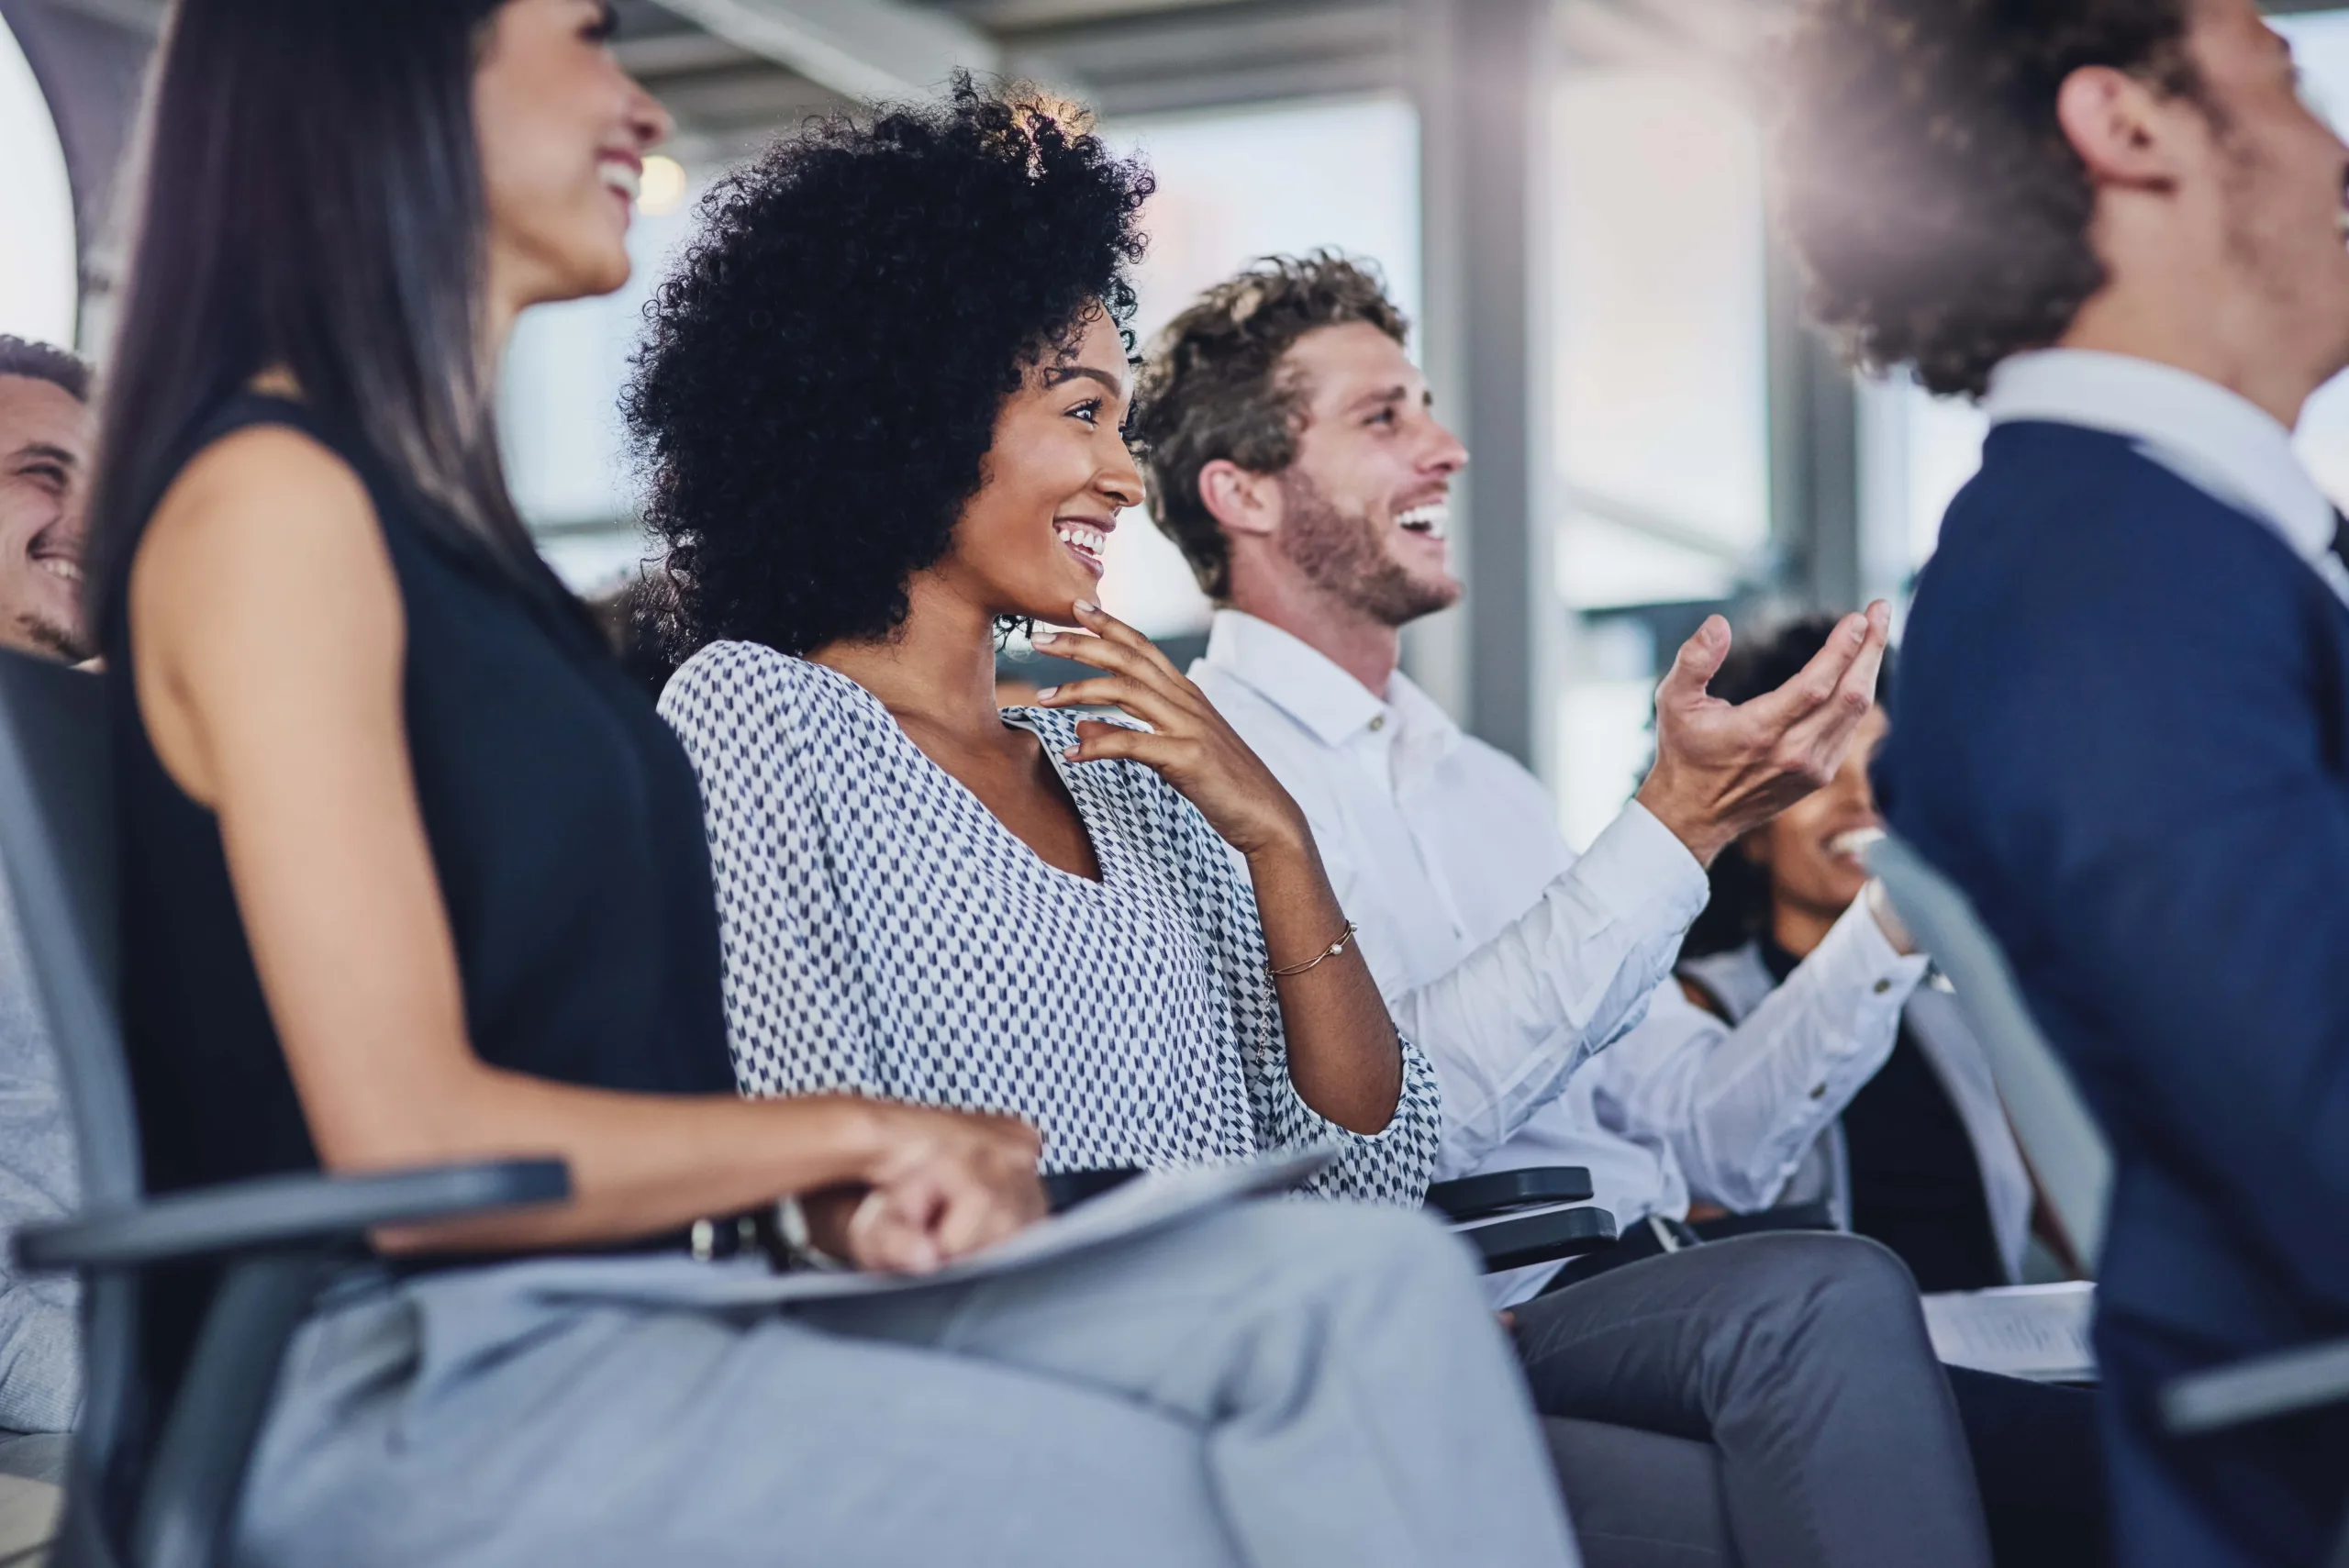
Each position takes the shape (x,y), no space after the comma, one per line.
(733,72)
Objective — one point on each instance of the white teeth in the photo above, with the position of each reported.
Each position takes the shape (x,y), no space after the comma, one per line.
(1434,520)
(1086,541)
(57,566)
(1856,843)
(627,181)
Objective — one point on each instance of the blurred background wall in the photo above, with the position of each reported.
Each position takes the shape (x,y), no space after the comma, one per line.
(1568,196)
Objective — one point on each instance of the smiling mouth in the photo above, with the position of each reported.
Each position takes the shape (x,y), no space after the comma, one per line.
(1854,845)
(1430,521)
(60,566)
(622,179)
(1088,544)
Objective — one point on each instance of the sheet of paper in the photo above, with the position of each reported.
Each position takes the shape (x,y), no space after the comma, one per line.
(1148,1203)
(2038,1331)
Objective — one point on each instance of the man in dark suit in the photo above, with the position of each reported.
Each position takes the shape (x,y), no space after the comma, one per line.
(2125,708)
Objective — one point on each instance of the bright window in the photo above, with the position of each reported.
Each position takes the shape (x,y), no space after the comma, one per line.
(1662,431)
(40,277)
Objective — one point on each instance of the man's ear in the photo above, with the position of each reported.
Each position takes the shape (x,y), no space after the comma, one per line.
(1242,502)
(2121,128)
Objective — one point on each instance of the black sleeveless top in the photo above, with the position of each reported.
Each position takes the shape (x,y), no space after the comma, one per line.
(565,827)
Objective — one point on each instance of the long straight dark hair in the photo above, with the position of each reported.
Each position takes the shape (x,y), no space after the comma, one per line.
(310,198)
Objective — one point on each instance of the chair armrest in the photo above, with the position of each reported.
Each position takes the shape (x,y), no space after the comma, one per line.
(1544,1236)
(2257,1390)
(1064,1190)
(278,1211)
(1504,1192)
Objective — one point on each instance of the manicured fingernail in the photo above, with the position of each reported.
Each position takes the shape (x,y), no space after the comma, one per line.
(1088,608)
(1041,638)
(1071,754)
(1047,693)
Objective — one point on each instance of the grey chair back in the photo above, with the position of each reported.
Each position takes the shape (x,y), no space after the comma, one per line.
(2067,1150)
(57,848)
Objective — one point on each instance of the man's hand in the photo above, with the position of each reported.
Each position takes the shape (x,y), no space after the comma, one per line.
(1720,771)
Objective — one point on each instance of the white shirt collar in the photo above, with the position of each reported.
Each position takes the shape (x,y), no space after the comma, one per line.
(2213,439)
(1310,686)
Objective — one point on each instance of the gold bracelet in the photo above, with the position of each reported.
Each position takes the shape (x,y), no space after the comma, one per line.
(1333,950)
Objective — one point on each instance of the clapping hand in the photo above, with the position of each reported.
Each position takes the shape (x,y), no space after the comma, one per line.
(1722,770)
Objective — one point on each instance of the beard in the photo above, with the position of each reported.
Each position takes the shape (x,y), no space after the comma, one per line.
(45,637)
(38,634)
(1339,553)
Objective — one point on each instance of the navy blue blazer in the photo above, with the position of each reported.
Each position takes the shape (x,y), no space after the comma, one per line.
(2124,731)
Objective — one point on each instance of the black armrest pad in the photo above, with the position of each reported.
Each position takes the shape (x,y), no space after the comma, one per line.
(1064,1190)
(275,1211)
(1519,1241)
(1473,1197)
(2258,1390)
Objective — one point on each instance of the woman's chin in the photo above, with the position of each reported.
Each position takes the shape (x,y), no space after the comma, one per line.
(1059,608)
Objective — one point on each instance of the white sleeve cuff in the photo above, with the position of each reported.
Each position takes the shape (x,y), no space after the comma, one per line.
(1639,870)
(1857,958)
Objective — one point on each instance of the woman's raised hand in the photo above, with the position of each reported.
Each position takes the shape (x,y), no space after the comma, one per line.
(1188,743)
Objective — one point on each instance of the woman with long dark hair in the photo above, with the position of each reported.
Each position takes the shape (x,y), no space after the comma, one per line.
(414,874)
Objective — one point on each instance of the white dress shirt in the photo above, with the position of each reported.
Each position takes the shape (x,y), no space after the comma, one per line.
(1537,981)
(2217,441)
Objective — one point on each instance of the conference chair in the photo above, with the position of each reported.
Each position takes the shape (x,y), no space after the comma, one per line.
(2265,1388)
(158,1458)
(2061,1139)
(1517,1218)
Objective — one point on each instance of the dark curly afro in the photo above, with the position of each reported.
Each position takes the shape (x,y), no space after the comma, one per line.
(824,369)
(1938,207)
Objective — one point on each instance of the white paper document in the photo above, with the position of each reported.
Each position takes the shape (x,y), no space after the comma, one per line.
(2038,1331)
(1150,1202)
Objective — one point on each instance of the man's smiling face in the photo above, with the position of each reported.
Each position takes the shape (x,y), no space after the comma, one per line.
(1367,501)
(45,434)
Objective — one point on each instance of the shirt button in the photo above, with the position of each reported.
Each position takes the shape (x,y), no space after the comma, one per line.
(1819,1092)
(1881,987)
(1378,723)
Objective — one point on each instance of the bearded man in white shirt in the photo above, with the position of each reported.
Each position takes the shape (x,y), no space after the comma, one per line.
(1295,457)
(47,427)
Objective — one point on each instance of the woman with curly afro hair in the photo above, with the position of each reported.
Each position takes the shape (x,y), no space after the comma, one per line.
(882,407)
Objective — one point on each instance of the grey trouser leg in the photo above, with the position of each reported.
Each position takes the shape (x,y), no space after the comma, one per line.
(1356,1397)
(1804,1359)
(1640,1499)
(456,1422)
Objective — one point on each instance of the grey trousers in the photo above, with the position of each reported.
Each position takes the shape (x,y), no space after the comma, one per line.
(1282,1384)
(1802,1359)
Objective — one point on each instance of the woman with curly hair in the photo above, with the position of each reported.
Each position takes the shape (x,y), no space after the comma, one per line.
(881,405)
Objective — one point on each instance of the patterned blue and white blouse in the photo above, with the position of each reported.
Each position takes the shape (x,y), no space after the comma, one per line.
(885,933)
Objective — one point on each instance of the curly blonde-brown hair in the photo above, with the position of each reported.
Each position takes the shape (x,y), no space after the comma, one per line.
(1214,387)
(1939,212)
